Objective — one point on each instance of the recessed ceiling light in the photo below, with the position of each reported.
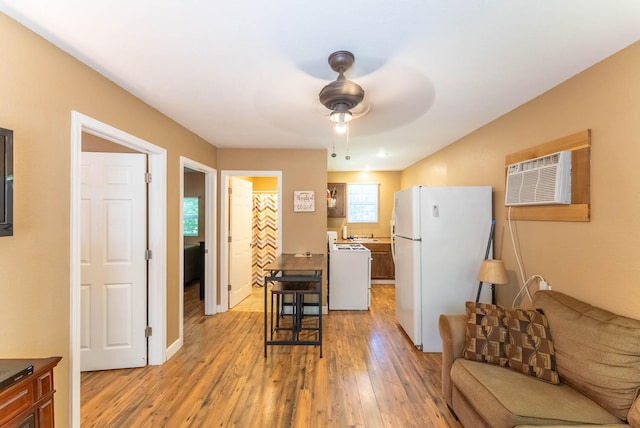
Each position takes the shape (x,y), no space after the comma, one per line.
(382,154)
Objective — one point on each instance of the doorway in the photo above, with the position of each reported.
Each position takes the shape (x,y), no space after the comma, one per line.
(208,199)
(157,245)
(225,224)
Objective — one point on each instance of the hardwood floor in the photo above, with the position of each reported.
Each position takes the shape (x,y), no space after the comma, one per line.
(370,376)
(253,303)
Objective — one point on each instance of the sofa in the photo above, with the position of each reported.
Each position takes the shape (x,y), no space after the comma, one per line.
(594,354)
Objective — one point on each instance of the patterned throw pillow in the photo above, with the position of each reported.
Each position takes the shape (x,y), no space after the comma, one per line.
(485,336)
(529,348)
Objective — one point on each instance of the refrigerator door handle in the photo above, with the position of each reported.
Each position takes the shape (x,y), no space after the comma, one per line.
(393,249)
(392,225)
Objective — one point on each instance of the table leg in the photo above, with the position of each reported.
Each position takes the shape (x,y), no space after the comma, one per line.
(320,321)
(265,316)
(271,318)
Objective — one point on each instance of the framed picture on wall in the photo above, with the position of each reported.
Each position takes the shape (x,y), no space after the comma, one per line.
(6,182)
(304,201)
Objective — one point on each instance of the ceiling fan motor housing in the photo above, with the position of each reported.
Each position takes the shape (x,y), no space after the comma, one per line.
(341,94)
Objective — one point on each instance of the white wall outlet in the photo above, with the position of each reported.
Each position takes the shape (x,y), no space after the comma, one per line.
(544,285)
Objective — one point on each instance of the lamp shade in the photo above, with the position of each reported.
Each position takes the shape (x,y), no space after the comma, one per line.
(493,272)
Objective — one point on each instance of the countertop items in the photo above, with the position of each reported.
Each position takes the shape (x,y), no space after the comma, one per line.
(364,241)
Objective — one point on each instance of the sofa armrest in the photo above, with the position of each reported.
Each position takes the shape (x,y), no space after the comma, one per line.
(634,413)
(453,332)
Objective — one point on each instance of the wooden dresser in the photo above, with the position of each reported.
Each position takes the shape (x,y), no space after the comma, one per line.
(29,402)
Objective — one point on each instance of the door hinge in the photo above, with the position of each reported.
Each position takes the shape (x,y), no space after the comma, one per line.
(230,190)
(147,254)
(229,287)
(148,331)
(229,239)
(147,177)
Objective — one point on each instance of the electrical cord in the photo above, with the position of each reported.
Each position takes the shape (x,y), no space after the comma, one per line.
(525,284)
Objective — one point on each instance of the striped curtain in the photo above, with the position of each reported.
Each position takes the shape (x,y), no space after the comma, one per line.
(265,233)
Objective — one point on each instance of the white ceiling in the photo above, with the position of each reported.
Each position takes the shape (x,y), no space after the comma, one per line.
(247,73)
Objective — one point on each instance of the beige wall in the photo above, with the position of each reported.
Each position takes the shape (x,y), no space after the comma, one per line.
(301,170)
(91,143)
(39,87)
(598,261)
(389,183)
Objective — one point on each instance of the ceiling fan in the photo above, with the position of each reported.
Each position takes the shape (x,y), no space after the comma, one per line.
(342,96)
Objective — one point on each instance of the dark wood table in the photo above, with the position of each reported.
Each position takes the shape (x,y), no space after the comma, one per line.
(294,277)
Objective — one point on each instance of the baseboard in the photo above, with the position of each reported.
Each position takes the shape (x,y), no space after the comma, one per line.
(173,348)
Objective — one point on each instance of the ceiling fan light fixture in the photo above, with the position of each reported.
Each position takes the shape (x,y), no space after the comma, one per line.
(341,95)
(340,116)
(341,127)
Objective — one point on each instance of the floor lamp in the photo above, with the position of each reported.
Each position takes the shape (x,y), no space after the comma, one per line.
(492,272)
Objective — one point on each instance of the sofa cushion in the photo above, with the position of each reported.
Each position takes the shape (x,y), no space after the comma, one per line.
(597,352)
(530,348)
(505,398)
(486,334)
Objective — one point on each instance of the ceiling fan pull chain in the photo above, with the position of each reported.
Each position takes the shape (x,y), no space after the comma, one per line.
(333,144)
(348,156)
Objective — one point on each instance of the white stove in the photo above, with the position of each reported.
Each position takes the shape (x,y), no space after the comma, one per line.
(349,277)
(349,247)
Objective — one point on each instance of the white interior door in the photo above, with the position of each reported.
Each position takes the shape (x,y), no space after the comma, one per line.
(113,265)
(240,207)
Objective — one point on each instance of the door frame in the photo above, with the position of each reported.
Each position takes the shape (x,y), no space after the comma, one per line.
(223,305)
(210,266)
(157,241)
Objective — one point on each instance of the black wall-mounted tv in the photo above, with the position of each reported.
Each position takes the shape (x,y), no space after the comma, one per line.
(6,182)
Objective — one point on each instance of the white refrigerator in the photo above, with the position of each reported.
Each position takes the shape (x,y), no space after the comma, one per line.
(440,239)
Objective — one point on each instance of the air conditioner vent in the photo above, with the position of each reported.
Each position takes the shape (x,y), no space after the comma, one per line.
(541,181)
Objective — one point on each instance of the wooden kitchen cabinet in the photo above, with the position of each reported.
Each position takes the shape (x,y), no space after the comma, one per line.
(382,266)
(29,401)
(337,207)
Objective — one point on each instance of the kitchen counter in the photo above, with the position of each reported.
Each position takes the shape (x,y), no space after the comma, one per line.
(382,266)
(381,240)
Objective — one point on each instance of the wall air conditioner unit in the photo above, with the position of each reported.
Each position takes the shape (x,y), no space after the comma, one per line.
(541,181)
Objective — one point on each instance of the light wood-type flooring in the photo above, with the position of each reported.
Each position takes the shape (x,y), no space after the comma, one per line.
(370,376)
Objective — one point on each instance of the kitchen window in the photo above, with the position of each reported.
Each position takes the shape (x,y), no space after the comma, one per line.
(362,202)
(190,215)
